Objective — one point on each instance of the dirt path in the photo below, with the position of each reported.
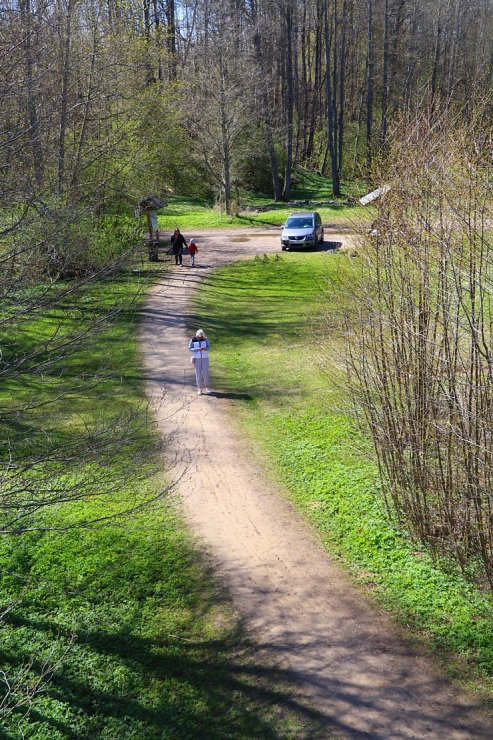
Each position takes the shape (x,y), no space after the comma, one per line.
(347,657)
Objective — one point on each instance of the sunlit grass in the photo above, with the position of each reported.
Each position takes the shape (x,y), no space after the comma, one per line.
(284,369)
(158,651)
(190,215)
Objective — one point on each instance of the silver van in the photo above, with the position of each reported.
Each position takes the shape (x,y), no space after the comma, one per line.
(302,230)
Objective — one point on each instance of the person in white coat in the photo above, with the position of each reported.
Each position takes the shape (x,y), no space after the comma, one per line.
(199,346)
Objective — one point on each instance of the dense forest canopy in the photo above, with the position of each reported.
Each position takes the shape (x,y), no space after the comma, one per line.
(101,102)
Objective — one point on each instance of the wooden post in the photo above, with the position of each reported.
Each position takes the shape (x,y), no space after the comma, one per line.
(150,205)
(153,243)
(149,223)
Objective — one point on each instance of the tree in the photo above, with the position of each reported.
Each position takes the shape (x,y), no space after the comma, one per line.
(421,350)
(289,35)
(219,113)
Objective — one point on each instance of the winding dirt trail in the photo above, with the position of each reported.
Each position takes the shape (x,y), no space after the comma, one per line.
(347,657)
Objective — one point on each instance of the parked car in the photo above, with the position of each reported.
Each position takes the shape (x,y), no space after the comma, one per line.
(302,230)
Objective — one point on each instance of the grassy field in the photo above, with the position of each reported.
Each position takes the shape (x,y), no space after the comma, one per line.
(190,214)
(110,589)
(199,215)
(270,348)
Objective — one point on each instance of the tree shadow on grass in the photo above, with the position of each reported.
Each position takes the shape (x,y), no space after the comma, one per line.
(159,650)
(179,688)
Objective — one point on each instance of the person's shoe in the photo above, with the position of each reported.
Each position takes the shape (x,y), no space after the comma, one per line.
(208,391)
(199,392)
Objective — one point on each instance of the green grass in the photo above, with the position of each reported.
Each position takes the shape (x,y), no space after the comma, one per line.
(263,321)
(155,649)
(307,184)
(189,215)
(158,651)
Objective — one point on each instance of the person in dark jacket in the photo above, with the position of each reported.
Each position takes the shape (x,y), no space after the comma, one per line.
(177,244)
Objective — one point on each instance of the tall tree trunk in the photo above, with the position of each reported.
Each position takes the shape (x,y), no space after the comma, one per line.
(226,153)
(171,38)
(335,89)
(331,82)
(158,40)
(289,101)
(146,7)
(342,89)
(456,29)
(314,103)
(436,59)
(303,97)
(64,98)
(32,106)
(370,72)
(412,55)
(276,181)
(266,116)
(385,77)
(87,108)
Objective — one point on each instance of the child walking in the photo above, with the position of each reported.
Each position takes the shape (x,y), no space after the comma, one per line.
(192,250)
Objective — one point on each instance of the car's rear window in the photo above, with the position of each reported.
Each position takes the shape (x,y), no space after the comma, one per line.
(299,223)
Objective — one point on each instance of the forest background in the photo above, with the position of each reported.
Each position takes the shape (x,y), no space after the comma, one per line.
(102,102)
